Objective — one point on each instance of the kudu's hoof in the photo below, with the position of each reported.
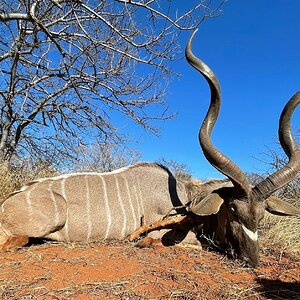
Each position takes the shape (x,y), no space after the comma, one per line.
(148,242)
(14,242)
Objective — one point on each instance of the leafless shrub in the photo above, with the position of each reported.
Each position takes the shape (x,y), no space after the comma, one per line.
(104,157)
(12,177)
(179,170)
(7,182)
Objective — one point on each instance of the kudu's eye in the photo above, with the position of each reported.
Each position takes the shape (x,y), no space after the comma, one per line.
(232,210)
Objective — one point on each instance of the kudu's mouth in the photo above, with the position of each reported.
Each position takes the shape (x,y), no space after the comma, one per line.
(248,258)
(244,260)
(252,263)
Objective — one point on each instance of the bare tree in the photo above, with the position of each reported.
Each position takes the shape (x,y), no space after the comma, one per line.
(275,159)
(69,68)
(180,170)
(104,157)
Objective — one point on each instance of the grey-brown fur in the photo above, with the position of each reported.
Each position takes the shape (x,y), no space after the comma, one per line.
(92,206)
(89,206)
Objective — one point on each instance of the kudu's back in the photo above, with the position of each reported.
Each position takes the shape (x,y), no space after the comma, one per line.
(89,206)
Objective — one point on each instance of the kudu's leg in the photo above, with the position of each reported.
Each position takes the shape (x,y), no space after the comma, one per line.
(37,216)
(157,225)
(8,242)
(179,226)
(149,241)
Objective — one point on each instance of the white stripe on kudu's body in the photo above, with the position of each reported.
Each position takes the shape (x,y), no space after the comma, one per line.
(28,202)
(88,209)
(108,213)
(124,215)
(56,212)
(128,190)
(63,193)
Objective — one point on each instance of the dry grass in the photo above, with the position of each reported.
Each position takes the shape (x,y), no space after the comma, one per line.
(119,290)
(282,233)
(14,179)
(7,182)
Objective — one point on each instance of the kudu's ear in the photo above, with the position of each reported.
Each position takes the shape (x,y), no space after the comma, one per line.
(208,206)
(282,208)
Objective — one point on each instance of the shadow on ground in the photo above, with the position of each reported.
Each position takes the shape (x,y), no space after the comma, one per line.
(276,289)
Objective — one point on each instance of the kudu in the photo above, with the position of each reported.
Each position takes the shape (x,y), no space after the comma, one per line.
(90,206)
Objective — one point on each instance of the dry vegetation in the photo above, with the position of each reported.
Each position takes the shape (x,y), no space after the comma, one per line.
(282,233)
(12,178)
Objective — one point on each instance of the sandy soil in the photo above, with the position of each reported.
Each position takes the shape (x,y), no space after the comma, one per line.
(118,270)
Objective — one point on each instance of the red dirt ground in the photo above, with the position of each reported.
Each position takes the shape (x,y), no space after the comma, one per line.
(118,270)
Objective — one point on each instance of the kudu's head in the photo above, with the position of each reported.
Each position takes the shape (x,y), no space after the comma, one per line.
(242,207)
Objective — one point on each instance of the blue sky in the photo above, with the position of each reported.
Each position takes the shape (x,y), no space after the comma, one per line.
(254,49)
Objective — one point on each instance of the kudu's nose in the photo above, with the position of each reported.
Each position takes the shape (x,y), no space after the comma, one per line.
(251,262)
